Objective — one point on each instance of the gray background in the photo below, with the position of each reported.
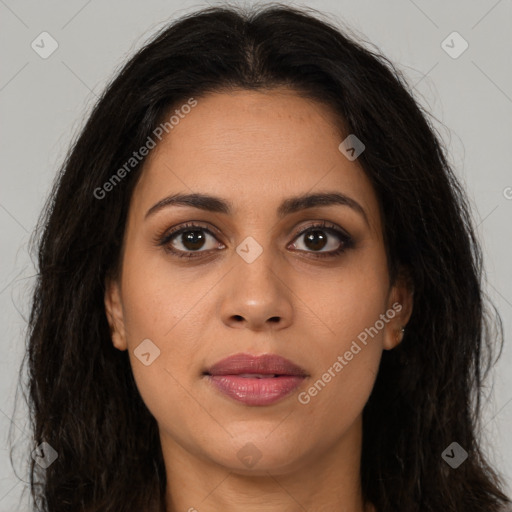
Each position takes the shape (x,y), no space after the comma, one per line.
(44,102)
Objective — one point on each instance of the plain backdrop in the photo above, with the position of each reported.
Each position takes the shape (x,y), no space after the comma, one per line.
(44,102)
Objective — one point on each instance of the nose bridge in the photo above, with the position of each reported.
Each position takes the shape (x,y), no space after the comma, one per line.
(255,292)
(257,270)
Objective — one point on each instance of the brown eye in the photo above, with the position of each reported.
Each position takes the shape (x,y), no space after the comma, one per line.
(314,239)
(192,240)
(189,241)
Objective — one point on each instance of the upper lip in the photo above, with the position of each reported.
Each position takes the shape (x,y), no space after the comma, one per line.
(265,364)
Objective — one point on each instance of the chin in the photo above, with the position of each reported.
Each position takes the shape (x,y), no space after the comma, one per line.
(260,455)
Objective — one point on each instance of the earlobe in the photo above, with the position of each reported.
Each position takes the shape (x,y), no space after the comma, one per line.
(393,337)
(401,301)
(114,312)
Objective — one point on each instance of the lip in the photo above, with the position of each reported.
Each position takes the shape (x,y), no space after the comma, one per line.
(232,377)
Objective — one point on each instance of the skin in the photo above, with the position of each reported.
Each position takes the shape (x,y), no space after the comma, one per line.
(255,149)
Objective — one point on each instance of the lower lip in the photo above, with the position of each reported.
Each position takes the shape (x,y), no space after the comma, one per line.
(256,391)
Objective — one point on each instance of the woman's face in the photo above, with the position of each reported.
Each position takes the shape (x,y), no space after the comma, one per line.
(255,286)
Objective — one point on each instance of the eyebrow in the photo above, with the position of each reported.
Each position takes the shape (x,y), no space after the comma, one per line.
(288,206)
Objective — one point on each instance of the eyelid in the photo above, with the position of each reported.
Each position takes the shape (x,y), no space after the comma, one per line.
(163,238)
(325,225)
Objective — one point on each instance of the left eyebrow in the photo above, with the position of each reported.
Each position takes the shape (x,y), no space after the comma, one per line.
(287,207)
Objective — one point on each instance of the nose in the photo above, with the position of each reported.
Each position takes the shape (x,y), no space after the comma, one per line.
(255,295)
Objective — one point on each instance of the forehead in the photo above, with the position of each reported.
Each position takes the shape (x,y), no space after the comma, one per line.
(253,148)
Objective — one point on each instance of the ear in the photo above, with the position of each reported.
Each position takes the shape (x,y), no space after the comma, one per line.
(114,311)
(401,302)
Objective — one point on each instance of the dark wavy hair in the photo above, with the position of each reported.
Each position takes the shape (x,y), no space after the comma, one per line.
(82,396)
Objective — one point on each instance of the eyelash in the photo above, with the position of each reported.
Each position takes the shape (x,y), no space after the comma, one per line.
(346,242)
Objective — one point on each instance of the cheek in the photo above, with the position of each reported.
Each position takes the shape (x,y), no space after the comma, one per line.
(348,342)
(155,298)
(158,305)
(349,299)
(347,364)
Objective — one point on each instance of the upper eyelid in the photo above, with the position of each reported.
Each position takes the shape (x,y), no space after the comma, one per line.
(200,225)
(172,232)
(328,226)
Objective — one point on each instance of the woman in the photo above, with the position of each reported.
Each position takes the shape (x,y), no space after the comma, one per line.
(259,287)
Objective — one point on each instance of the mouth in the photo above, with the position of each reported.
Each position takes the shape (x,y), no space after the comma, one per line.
(255,380)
